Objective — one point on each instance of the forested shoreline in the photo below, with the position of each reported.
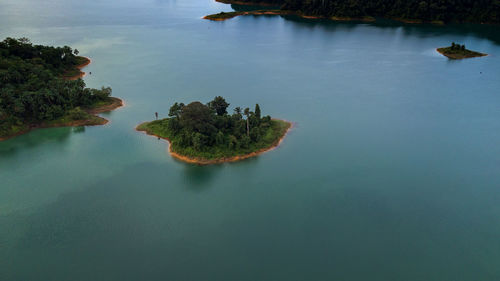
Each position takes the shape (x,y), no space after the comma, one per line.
(34,92)
(442,11)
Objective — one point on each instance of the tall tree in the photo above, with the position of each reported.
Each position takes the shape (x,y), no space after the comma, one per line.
(219,105)
(257,111)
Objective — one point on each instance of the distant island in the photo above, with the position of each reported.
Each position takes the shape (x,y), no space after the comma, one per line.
(206,134)
(40,88)
(229,15)
(457,51)
(409,11)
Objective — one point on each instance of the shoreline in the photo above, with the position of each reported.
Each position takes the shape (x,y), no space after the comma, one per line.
(230,15)
(236,2)
(79,67)
(301,15)
(202,161)
(116,103)
(479,55)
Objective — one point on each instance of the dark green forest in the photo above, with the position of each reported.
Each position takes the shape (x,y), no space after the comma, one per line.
(32,87)
(209,131)
(476,11)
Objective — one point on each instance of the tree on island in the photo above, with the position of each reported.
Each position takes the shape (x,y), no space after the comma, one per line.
(220,105)
(197,117)
(247,114)
(457,47)
(176,109)
(257,111)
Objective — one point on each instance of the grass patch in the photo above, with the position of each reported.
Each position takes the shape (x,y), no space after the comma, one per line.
(269,139)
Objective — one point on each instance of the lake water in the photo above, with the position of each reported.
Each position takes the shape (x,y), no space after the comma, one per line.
(392,171)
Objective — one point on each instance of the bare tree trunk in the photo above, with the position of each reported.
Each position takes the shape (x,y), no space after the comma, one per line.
(248,128)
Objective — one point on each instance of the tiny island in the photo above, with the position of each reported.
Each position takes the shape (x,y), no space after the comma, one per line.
(457,51)
(40,87)
(206,134)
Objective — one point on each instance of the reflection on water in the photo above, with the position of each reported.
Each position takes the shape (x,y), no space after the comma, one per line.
(485,31)
(198,177)
(79,129)
(36,138)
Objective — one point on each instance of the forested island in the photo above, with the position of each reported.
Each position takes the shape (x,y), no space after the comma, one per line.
(225,16)
(457,51)
(411,11)
(38,89)
(206,134)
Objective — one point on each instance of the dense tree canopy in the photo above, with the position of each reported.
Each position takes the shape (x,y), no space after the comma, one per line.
(478,11)
(201,125)
(31,87)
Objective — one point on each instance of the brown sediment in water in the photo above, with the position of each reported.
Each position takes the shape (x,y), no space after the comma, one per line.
(116,103)
(79,67)
(202,161)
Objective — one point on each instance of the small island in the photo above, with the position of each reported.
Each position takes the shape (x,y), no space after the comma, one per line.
(225,16)
(206,134)
(40,88)
(457,51)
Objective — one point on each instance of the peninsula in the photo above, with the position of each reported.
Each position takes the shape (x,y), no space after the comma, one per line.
(206,134)
(76,71)
(40,88)
(457,51)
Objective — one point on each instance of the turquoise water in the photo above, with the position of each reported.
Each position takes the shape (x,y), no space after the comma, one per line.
(390,173)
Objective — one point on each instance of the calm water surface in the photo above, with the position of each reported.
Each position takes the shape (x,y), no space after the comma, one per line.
(391,172)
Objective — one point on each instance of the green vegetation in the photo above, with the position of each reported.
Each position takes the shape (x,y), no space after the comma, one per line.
(457,51)
(442,11)
(33,92)
(225,16)
(208,132)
